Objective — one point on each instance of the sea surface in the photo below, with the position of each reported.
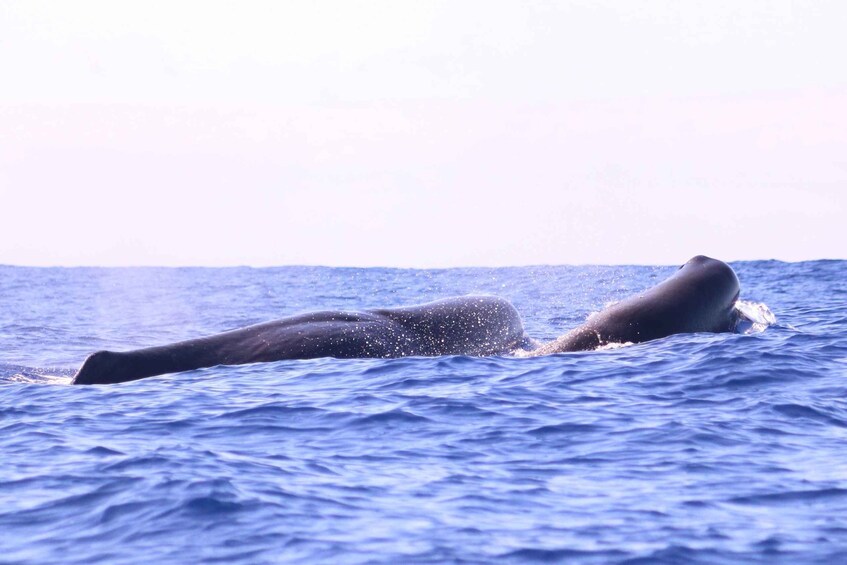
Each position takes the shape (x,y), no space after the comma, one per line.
(699,448)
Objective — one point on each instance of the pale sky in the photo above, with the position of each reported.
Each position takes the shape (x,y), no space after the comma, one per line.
(421,134)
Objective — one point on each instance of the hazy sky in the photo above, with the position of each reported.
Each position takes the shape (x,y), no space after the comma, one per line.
(421,134)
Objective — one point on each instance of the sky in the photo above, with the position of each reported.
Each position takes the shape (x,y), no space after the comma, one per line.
(421,134)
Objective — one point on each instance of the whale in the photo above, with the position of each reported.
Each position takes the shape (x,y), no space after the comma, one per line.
(699,297)
(467,325)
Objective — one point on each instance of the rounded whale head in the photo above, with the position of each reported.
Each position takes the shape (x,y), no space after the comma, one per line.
(709,288)
(699,297)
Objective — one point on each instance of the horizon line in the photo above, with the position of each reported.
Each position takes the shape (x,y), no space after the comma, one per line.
(397,267)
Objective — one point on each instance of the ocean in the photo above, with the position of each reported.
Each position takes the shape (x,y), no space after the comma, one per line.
(697,448)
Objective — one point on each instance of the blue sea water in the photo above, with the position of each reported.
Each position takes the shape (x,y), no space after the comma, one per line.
(700,448)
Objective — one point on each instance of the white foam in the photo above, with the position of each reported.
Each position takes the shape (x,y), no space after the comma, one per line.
(753,317)
(41,379)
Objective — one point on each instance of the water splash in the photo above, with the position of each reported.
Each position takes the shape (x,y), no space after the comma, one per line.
(753,317)
(614,345)
(34,375)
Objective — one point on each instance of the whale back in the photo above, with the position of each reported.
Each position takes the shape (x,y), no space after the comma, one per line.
(466,325)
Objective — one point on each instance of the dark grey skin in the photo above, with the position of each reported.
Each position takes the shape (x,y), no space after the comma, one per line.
(699,297)
(469,325)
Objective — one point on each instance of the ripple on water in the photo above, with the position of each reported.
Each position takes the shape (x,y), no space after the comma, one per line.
(697,448)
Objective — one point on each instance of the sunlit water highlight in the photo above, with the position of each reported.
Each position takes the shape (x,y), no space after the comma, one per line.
(695,448)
